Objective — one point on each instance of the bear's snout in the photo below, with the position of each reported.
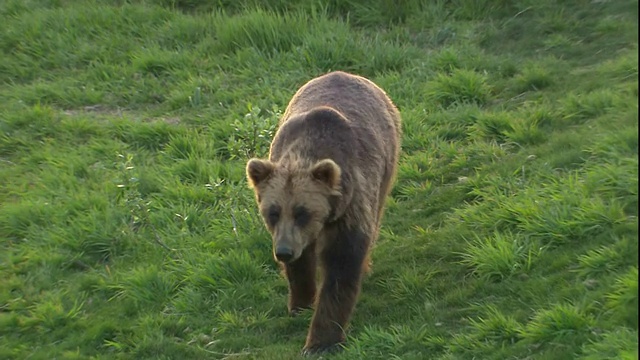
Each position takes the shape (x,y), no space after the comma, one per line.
(284,253)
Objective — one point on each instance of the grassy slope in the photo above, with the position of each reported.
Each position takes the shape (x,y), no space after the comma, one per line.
(127,230)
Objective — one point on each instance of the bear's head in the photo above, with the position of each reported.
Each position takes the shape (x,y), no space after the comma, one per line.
(295,202)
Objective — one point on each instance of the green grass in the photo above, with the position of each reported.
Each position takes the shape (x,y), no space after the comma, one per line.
(127,230)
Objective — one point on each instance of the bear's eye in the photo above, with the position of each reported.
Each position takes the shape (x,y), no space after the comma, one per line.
(273,215)
(301,216)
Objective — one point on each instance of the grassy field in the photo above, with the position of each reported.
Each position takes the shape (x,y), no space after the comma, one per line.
(127,230)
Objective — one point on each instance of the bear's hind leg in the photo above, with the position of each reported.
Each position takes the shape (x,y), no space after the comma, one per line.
(301,275)
(343,265)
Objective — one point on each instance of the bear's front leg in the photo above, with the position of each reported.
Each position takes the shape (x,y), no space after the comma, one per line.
(343,264)
(301,275)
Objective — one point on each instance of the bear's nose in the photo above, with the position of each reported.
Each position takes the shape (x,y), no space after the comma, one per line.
(284,253)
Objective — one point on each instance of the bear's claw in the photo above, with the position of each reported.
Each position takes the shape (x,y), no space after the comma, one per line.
(295,312)
(321,349)
(298,310)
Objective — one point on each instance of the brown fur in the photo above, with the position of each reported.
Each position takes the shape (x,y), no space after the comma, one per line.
(322,192)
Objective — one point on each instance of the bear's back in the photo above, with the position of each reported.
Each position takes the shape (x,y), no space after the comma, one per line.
(373,120)
(361,101)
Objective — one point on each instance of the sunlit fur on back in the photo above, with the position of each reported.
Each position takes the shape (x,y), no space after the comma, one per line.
(322,191)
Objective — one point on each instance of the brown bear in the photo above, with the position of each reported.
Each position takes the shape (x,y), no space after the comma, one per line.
(331,165)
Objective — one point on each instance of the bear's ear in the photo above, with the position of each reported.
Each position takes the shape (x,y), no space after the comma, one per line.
(258,170)
(328,172)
